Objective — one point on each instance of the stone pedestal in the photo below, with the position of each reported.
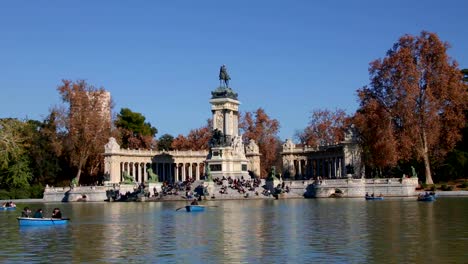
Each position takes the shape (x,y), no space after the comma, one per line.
(227,154)
(224,162)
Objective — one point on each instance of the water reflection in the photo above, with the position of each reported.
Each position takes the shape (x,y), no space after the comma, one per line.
(340,230)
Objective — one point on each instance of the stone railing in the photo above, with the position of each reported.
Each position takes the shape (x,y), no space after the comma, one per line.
(149,152)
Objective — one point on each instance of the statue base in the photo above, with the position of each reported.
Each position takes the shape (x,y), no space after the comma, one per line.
(224,162)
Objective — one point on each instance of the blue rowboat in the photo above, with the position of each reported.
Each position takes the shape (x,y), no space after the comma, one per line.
(2,208)
(195,208)
(27,221)
(377,198)
(427,198)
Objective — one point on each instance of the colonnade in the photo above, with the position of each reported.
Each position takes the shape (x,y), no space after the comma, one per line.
(325,167)
(170,172)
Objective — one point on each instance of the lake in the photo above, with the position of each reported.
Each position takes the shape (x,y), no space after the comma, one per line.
(245,231)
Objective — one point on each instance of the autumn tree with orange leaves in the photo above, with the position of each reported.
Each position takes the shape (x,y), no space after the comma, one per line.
(85,126)
(414,105)
(197,139)
(264,130)
(325,127)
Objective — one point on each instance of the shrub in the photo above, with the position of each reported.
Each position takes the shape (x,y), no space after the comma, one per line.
(446,187)
(5,195)
(19,193)
(36,191)
(464,185)
(423,185)
(432,188)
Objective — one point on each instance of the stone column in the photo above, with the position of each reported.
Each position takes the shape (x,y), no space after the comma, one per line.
(225,122)
(197,173)
(176,172)
(184,171)
(190,170)
(299,167)
(171,169)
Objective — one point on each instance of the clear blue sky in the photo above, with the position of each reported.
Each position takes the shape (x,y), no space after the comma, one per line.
(162,58)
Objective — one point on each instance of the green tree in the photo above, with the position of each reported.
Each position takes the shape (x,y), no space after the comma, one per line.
(165,142)
(419,97)
(14,161)
(44,149)
(135,132)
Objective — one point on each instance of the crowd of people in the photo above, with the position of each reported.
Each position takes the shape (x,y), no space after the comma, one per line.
(240,185)
(56,213)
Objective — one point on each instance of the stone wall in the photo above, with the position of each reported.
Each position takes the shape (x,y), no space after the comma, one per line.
(350,188)
(392,187)
(76,194)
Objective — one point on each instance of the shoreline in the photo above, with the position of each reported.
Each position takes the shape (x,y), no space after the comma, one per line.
(41,200)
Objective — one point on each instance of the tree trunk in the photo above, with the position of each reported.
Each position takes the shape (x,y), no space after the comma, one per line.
(425,157)
(78,174)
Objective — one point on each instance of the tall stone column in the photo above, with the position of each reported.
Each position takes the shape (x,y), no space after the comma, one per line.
(184,172)
(171,168)
(190,167)
(299,167)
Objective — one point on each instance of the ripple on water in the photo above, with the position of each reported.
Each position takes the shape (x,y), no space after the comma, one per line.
(327,231)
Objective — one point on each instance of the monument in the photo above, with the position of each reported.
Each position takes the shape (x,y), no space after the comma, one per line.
(227,152)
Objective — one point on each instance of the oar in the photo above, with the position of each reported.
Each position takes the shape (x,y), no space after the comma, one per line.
(180,208)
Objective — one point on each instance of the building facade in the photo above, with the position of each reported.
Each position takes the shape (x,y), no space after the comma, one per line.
(327,162)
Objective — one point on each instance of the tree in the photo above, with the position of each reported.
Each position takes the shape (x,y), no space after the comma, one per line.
(416,100)
(165,142)
(86,125)
(264,130)
(14,161)
(197,139)
(135,132)
(325,128)
(44,149)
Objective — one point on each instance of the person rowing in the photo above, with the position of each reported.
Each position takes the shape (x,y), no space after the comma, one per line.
(56,213)
(194,202)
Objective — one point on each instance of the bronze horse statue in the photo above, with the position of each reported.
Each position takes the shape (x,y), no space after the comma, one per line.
(224,76)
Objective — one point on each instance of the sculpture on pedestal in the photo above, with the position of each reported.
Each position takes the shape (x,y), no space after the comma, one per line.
(127,178)
(152,177)
(223,91)
(224,76)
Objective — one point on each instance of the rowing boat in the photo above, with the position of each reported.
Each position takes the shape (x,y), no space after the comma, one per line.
(427,198)
(376,198)
(195,208)
(27,221)
(3,208)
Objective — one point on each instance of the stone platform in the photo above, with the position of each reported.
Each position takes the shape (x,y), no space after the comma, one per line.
(389,187)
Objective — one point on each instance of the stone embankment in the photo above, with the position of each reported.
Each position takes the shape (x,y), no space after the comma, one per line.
(393,187)
(349,188)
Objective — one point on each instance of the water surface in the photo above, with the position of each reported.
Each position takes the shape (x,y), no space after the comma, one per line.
(261,231)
